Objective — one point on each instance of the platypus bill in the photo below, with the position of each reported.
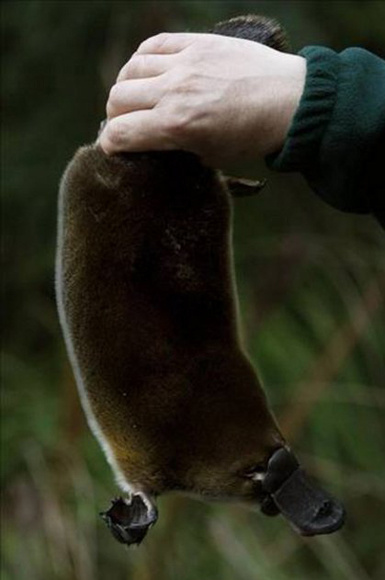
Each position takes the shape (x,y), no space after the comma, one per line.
(146,299)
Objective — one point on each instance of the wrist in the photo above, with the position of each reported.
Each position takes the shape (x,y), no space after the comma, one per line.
(289,91)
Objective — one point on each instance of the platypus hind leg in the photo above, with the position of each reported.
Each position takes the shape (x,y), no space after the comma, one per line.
(130,519)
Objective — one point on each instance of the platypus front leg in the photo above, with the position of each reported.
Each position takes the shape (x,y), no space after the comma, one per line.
(129,520)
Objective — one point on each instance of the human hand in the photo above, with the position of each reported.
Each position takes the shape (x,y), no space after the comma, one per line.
(225,99)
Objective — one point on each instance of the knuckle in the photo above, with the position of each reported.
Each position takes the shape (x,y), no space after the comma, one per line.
(184,80)
(198,54)
(178,123)
(134,62)
(115,132)
(114,94)
(154,42)
(136,66)
(123,70)
(114,99)
(190,79)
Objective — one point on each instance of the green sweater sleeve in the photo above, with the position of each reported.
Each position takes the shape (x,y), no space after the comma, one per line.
(337,136)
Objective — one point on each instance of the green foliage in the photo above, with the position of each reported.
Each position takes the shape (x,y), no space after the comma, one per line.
(309,278)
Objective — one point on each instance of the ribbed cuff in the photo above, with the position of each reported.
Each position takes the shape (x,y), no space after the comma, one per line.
(313,114)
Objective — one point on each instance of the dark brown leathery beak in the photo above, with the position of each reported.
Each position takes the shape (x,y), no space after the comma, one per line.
(309,509)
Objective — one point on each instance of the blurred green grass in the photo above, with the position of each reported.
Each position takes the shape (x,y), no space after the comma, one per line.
(311,283)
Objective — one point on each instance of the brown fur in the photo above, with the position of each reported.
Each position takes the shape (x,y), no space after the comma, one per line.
(256,28)
(146,295)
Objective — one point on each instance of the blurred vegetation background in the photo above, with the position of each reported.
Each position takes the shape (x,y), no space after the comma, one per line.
(311,286)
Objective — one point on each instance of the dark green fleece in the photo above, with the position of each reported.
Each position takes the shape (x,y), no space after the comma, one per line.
(337,137)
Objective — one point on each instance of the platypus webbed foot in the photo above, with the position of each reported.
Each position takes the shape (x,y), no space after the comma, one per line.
(130,520)
(309,509)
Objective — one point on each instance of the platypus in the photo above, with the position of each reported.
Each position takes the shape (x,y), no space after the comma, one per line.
(147,303)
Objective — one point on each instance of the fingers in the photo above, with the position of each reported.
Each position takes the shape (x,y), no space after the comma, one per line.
(137,131)
(134,95)
(167,43)
(145,66)
(135,120)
